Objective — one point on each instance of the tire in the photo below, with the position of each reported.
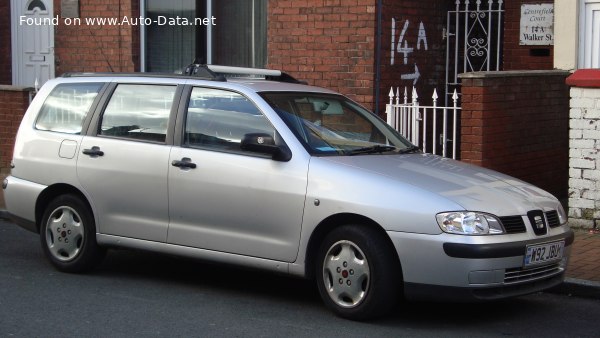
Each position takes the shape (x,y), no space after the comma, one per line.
(358,273)
(68,235)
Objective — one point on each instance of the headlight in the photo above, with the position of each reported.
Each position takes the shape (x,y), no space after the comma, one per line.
(469,223)
(562,215)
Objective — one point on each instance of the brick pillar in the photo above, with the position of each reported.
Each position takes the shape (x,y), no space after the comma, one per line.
(13,104)
(584,142)
(517,123)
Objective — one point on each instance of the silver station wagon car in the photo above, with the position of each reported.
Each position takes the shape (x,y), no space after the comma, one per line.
(260,170)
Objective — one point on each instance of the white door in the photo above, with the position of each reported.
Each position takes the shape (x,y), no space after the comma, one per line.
(32,41)
(589,34)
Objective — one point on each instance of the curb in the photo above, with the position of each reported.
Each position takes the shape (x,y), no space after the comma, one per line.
(4,214)
(578,288)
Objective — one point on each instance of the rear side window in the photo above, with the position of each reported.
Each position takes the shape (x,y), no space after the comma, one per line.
(66,107)
(139,112)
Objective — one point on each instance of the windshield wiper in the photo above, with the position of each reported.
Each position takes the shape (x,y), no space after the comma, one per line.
(372,150)
(411,149)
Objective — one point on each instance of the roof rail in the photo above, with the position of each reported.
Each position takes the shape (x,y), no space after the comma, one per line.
(221,73)
(207,72)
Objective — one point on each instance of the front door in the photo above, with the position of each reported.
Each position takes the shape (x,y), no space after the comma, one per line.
(32,42)
(223,198)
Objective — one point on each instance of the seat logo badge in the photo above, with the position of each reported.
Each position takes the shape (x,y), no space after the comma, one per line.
(539,222)
(260,140)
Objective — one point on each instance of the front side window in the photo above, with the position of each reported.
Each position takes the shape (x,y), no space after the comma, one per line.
(139,112)
(238,38)
(330,124)
(66,107)
(219,119)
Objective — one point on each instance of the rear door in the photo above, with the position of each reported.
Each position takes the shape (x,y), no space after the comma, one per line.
(123,161)
(226,199)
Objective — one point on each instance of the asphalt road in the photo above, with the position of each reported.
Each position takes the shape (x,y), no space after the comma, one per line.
(142,294)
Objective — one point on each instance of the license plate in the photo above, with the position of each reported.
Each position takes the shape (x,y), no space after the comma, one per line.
(543,253)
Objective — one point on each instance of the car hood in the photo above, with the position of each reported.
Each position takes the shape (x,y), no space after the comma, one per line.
(472,187)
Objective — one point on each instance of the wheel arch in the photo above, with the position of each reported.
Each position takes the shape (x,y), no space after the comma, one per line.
(332,222)
(50,193)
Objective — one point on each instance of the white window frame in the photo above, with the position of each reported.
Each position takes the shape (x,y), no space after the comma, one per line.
(589,34)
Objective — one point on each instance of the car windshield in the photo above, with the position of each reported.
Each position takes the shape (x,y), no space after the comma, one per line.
(329,124)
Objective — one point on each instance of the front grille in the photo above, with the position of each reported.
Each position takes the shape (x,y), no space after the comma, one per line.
(513,224)
(519,275)
(552,217)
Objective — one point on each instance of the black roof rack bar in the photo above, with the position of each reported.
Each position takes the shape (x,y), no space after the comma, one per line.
(239,72)
(203,72)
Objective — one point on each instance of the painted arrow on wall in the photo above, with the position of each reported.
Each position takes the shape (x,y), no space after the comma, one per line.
(414,76)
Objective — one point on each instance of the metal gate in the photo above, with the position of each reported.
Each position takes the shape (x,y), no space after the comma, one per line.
(421,124)
(473,40)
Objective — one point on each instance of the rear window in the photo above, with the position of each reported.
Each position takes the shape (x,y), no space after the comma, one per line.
(66,107)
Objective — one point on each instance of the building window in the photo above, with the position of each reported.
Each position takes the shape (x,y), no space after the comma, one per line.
(239,37)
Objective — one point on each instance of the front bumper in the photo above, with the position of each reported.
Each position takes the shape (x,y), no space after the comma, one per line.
(466,268)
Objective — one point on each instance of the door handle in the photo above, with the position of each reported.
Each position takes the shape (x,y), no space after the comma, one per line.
(94,152)
(185,162)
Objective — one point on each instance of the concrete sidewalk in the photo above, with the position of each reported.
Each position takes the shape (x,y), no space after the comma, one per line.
(583,272)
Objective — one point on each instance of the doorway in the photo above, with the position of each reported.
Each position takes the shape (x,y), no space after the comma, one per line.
(32,30)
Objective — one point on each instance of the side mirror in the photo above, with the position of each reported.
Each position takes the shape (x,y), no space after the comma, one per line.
(265,144)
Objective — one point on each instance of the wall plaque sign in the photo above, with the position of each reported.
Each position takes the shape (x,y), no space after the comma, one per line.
(537,25)
(69,8)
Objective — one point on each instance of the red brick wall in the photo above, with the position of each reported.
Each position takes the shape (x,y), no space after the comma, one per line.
(328,43)
(96,48)
(332,44)
(518,123)
(5,43)
(518,57)
(13,103)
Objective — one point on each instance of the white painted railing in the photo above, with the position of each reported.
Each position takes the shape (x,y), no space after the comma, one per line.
(429,127)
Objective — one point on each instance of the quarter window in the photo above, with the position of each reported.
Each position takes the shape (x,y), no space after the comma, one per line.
(66,107)
(218,120)
(139,112)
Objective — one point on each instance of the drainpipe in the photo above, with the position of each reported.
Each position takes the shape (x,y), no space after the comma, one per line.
(378,56)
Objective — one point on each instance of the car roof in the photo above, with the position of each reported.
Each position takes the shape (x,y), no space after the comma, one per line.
(253,79)
(252,84)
